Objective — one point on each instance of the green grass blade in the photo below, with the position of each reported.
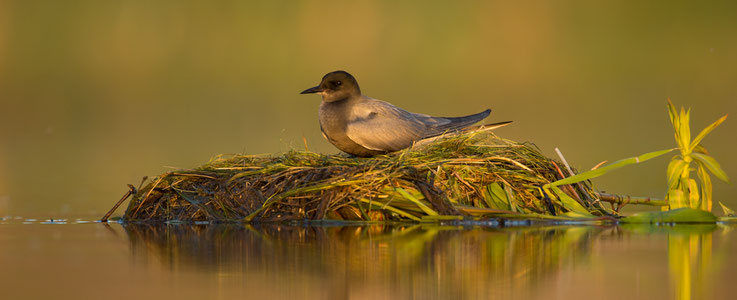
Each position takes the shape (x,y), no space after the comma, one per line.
(674,119)
(487,197)
(570,203)
(675,168)
(706,131)
(391,209)
(712,165)
(672,113)
(510,198)
(706,201)
(727,211)
(613,166)
(693,194)
(271,169)
(700,149)
(498,196)
(684,130)
(422,206)
(676,199)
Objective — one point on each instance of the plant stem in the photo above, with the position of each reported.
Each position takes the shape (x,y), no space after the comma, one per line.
(626,199)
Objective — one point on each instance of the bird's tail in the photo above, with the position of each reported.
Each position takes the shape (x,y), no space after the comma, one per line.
(455,124)
(477,128)
(487,127)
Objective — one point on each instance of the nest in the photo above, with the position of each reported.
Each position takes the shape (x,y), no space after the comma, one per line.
(469,174)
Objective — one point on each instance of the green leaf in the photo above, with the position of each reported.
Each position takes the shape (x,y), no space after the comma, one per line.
(712,165)
(706,131)
(497,197)
(400,212)
(675,120)
(570,203)
(706,202)
(610,167)
(693,194)
(675,169)
(681,215)
(727,211)
(673,116)
(576,215)
(700,149)
(488,198)
(651,155)
(685,129)
(510,198)
(422,206)
(676,199)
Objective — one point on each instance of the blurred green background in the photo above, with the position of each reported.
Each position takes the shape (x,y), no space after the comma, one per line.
(97,94)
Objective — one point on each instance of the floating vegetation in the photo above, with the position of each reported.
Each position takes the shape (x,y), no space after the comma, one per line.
(476,174)
(467,176)
(679,215)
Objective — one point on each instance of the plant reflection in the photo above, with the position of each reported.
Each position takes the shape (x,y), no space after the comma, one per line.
(691,257)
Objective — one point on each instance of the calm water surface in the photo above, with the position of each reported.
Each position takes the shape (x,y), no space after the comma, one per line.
(76,259)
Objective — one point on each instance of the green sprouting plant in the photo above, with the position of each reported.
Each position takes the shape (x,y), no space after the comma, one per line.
(684,191)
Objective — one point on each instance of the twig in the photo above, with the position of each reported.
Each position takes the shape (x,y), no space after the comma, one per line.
(143,199)
(568,187)
(626,199)
(480,195)
(131,191)
(578,184)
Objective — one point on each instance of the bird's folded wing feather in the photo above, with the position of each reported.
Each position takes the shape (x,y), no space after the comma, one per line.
(431,121)
(378,125)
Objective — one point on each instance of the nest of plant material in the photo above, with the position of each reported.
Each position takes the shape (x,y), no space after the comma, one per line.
(473,173)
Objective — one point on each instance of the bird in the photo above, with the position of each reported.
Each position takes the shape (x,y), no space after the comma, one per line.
(363,126)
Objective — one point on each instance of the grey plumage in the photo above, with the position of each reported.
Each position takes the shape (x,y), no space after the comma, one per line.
(363,126)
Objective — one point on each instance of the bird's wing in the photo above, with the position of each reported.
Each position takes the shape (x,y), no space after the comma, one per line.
(378,125)
(440,125)
(431,121)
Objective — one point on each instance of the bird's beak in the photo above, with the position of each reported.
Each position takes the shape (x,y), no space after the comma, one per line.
(312,90)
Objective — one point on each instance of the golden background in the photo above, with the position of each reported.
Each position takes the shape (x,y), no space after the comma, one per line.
(97,94)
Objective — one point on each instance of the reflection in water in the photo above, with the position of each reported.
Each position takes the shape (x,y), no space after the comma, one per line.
(415,261)
(405,261)
(690,257)
(690,260)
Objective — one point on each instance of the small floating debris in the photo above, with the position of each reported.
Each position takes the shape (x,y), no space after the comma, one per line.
(53,222)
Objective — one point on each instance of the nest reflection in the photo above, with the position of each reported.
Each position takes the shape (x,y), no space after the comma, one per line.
(442,261)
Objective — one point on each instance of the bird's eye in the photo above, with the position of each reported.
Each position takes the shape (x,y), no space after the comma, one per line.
(338,83)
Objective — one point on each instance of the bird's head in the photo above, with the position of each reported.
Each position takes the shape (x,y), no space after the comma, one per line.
(336,86)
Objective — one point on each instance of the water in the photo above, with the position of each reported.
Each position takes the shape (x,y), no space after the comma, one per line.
(78,259)
(97,94)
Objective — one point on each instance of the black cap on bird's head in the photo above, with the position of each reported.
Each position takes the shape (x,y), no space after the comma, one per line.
(336,86)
